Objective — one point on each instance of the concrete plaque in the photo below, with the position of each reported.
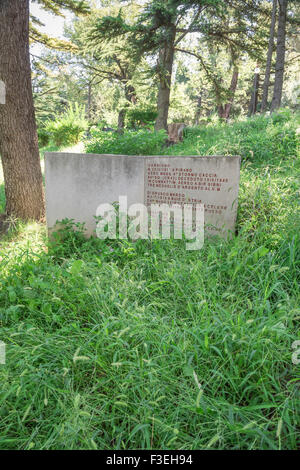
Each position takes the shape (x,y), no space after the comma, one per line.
(211,181)
(76,184)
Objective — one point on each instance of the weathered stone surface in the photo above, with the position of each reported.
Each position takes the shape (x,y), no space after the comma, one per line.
(2,92)
(212,181)
(76,184)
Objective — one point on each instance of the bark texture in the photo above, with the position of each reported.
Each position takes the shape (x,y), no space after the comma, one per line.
(254,95)
(130,95)
(121,120)
(224,110)
(18,135)
(166,59)
(266,84)
(280,55)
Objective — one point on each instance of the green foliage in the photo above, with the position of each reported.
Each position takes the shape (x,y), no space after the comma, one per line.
(136,117)
(56,7)
(111,26)
(44,137)
(130,143)
(281,116)
(144,345)
(69,127)
(258,139)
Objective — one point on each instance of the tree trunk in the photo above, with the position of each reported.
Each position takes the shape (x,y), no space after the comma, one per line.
(18,135)
(130,94)
(224,110)
(266,84)
(131,97)
(280,55)
(121,120)
(166,58)
(254,95)
(232,89)
(220,111)
(198,109)
(218,86)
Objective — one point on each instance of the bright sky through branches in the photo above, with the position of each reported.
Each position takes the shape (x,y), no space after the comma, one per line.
(54,25)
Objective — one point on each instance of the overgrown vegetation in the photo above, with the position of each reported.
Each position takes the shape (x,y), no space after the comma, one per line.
(120,345)
(141,142)
(67,129)
(258,139)
(140,116)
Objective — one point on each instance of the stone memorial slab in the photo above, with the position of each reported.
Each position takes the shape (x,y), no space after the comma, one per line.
(76,184)
(212,181)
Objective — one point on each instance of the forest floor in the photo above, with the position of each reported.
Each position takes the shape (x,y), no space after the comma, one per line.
(120,345)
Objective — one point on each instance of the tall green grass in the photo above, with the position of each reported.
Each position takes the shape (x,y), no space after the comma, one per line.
(120,345)
(259,139)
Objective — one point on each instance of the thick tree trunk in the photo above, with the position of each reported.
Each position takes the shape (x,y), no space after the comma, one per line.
(266,84)
(280,55)
(166,59)
(18,135)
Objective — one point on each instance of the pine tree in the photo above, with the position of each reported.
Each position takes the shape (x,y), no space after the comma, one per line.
(266,84)
(159,28)
(162,26)
(280,55)
(111,59)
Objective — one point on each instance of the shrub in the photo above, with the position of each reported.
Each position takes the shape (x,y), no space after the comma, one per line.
(281,116)
(100,124)
(137,117)
(44,137)
(68,128)
(130,143)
